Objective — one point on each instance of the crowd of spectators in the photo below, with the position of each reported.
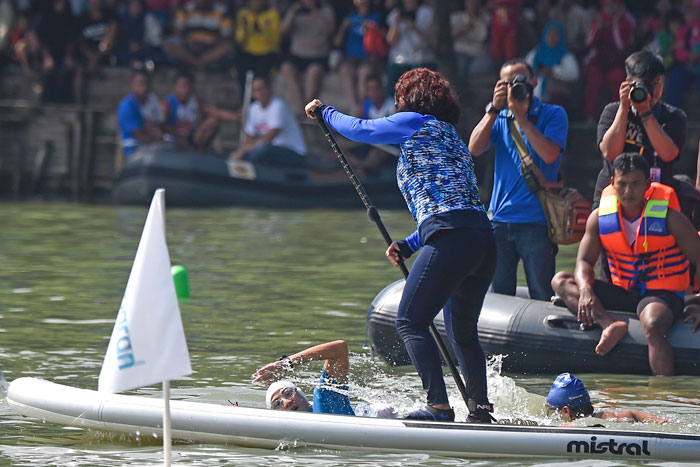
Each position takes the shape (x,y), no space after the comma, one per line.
(577,47)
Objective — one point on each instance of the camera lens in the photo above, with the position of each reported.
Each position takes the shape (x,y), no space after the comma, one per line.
(519,91)
(638,93)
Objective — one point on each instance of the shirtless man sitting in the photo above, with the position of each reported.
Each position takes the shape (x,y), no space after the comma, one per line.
(648,245)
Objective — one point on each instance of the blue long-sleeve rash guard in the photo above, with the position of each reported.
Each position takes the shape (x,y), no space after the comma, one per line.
(435,171)
(394,129)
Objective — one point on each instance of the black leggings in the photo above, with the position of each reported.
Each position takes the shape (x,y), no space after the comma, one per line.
(454,270)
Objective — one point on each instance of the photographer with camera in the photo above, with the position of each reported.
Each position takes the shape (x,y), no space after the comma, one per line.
(641,122)
(410,40)
(517,216)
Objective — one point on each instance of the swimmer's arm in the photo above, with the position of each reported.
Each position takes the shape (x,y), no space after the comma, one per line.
(335,354)
(628,415)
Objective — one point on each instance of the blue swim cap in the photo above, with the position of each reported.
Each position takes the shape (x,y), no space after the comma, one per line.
(568,390)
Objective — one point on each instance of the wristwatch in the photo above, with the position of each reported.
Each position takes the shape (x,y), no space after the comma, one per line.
(288,364)
(491,109)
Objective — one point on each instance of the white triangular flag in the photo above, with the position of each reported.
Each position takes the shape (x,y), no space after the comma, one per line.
(148,343)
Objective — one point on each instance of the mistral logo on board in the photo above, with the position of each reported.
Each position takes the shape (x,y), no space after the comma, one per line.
(125,349)
(613,447)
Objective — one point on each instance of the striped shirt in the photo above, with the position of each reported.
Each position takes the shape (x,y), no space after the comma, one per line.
(203,26)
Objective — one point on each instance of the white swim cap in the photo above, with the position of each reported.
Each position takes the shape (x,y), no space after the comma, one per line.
(274,387)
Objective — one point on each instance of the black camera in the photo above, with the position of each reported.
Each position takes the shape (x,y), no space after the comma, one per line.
(639,91)
(520,87)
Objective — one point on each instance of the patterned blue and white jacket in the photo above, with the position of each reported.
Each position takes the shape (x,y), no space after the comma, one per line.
(435,171)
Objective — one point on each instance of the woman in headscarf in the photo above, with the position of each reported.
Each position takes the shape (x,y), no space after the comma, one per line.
(556,68)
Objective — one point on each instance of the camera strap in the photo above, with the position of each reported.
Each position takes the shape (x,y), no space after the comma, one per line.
(529,168)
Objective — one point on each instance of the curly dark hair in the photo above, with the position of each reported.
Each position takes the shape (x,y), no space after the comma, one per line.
(427,92)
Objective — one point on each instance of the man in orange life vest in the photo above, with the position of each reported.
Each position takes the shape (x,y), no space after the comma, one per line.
(648,242)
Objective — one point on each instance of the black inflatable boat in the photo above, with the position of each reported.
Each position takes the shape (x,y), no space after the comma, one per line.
(193,179)
(537,337)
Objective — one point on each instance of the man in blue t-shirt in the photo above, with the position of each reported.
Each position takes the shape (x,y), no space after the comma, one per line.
(518,219)
(139,115)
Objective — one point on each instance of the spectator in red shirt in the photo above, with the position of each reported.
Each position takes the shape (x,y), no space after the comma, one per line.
(687,55)
(505,22)
(609,41)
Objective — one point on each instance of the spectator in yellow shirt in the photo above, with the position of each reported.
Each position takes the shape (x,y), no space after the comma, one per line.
(258,38)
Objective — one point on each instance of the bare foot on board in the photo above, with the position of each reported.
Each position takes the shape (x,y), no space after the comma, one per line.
(610,337)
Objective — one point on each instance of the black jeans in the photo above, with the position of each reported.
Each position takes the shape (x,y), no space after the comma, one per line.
(454,270)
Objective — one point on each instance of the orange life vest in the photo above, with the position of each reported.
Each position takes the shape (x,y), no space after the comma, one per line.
(654,261)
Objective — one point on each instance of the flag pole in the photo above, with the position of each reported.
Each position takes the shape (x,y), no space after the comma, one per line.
(148,322)
(167,438)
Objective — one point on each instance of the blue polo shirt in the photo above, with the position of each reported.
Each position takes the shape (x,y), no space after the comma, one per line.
(511,201)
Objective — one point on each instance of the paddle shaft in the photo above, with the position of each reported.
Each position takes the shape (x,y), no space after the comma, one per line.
(374,216)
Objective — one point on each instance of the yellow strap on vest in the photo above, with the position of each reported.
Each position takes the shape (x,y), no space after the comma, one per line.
(656,208)
(608,205)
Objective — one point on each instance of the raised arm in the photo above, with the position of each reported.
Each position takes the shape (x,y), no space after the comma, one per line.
(547,149)
(394,129)
(613,141)
(335,354)
(480,139)
(662,142)
(543,144)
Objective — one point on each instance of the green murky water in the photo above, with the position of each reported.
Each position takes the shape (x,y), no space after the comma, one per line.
(264,283)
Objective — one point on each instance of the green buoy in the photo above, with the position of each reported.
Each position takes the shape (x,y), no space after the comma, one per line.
(182,287)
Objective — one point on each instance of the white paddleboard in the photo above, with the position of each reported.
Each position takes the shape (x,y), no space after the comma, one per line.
(264,428)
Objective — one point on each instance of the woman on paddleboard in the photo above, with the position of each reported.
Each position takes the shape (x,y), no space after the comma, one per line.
(435,174)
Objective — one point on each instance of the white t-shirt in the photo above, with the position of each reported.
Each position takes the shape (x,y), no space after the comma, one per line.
(151,110)
(630,228)
(387,108)
(410,48)
(472,41)
(276,116)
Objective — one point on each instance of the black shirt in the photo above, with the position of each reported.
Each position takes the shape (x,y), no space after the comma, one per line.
(57,33)
(93,30)
(672,120)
